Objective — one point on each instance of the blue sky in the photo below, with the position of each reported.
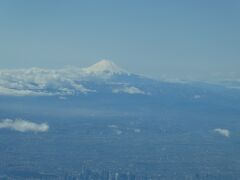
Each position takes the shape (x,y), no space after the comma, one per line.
(178,39)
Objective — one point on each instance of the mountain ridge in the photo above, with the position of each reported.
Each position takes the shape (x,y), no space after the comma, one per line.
(66,81)
(102,77)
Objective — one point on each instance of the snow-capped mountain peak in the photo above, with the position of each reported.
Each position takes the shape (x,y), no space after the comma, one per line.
(104,67)
(104,76)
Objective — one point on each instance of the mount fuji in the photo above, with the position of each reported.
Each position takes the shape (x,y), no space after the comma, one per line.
(104,67)
(104,77)
(67,81)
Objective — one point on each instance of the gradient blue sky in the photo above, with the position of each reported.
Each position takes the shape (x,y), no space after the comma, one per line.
(179,39)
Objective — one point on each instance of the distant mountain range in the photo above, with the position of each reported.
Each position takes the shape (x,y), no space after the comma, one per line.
(102,77)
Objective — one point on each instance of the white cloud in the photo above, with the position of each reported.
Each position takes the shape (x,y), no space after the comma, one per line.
(14,92)
(41,82)
(23,125)
(223,132)
(129,90)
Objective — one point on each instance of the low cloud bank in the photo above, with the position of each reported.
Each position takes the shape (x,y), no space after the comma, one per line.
(129,90)
(41,82)
(23,125)
(223,132)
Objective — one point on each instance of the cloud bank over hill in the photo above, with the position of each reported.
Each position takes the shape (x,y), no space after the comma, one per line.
(40,82)
(23,125)
(102,77)
(129,90)
(63,82)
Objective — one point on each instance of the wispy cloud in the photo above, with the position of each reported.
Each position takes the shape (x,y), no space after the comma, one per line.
(14,92)
(129,90)
(23,125)
(223,132)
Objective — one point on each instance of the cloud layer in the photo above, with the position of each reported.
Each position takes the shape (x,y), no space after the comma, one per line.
(23,125)
(129,90)
(41,82)
(223,132)
(56,82)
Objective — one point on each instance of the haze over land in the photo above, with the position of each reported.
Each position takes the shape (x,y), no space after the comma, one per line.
(120,90)
(102,121)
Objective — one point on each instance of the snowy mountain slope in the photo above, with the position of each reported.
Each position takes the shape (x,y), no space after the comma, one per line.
(68,81)
(102,77)
(104,67)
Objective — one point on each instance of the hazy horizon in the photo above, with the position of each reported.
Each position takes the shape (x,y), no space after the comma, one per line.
(172,39)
